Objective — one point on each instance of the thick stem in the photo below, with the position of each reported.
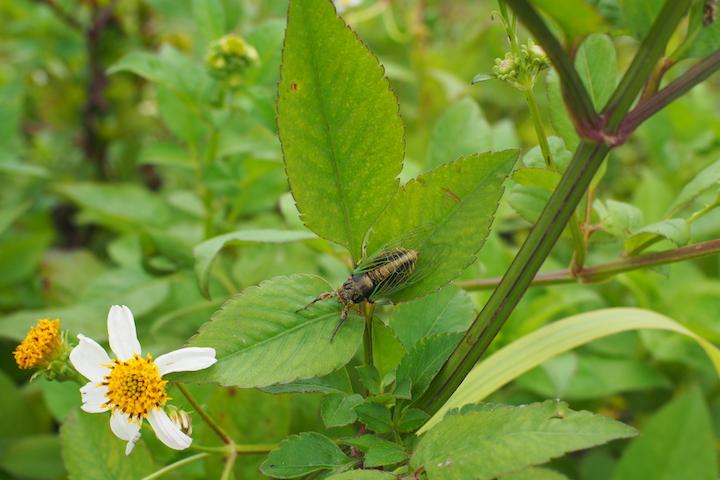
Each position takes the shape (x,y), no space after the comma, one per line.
(576,96)
(561,206)
(203,414)
(605,270)
(176,465)
(368,335)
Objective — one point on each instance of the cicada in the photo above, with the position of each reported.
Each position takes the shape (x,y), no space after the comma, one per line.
(373,279)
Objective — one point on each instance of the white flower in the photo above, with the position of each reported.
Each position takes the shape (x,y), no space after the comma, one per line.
(342,5)
(132,386)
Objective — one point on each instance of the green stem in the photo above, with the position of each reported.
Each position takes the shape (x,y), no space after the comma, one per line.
(258,448)
(229,464)
(574,226)
(532,254)
(576,96)
(645,60)
(203,414)
(176,465)
(368,335)
(605,270)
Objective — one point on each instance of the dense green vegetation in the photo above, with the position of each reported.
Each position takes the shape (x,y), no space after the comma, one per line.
(548,172)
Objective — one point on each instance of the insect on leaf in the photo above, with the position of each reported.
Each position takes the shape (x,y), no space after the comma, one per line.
(339,126)
(449,210)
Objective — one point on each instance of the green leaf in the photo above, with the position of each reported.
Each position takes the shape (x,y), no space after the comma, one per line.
(302,454)
(86,319)
(619,218)
(411,419)
(596,63)
(206,251)
(120,207)
(488,442)
(708,178)
(559,117)
(210,18)
(591,377)
(339,126)
(423,361)
(535,473)
(531,350)
(677,230)
(363,475)
(640,14)
(337,410)
(537,177)
(450,210)
(378,452)
(9,214)
(262,326)
(335,382)
(707,37)
(91,450)
(561,155)
(575,18)
(677,442)
(21,422)
(461,130)
(36,457)
(387,350)
(375,416)
(449,310)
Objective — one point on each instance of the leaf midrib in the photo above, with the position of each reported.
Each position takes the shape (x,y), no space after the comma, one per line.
(320,99)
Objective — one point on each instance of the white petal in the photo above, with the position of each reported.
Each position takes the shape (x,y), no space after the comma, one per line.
(166,431)
(121,332)
(93,397)
(125,429)
(186,360)
(88,358)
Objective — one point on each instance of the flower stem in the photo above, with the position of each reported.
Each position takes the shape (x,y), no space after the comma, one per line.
(229,464)
(258,448)
(605,270)
(176,465)
(203,414)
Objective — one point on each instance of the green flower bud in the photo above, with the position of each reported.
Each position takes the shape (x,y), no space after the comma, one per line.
(228,57)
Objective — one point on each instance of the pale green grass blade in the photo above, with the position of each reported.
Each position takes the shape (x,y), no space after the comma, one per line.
(531,350)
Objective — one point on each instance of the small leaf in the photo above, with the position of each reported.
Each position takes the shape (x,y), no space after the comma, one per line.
(561,155)
(559,117)
(337,410)
(339,126)
(537,177)
(423,361)
(375,416)
(461,130)
(481,77)
(412,419)
(486,443)
(302,454)
(677,230)
(206,251)
(619,218)
(535,473)
(449,310)
(708,178)
(335,382)
(210,18)
(369,377)
(677,442)
(451,208)
(262,326)
(596,63)
(378,452)
(91,450)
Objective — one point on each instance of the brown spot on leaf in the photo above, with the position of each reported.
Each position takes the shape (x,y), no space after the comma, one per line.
(452,195)
(294,87)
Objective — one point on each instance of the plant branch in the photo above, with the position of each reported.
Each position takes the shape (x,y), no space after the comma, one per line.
(203,414)
(675,89)
(176,465)
(644,62)
(604,270)
(59,12)
(368,335)
(575,94)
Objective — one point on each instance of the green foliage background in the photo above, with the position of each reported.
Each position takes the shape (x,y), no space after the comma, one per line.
(163,188)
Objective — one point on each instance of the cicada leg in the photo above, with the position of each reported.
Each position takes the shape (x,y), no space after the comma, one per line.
(343,317)
(320,298)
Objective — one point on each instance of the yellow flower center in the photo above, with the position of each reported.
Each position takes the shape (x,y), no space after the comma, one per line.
(135,386)
(40,344)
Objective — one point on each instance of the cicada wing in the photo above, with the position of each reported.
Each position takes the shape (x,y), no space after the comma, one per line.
(424,266)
